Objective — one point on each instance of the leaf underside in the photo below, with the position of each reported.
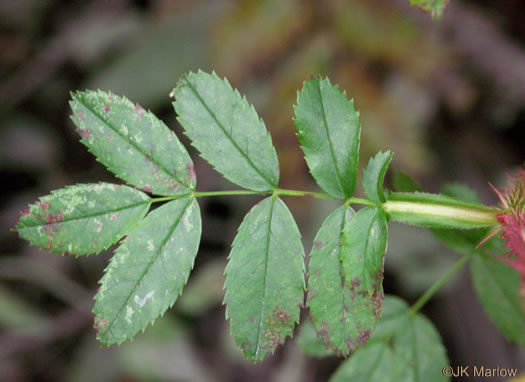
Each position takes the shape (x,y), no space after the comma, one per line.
(329,131)
(343,318)
(374,176)
(364,244)
(264,279)
(227,131)
(148,271)
(404,348)
(83,219)
(132,143)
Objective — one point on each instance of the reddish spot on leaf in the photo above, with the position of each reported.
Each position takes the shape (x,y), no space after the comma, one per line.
(147,188)
(106,108)
(355,282)
(80,116)
(364,335)
(110,98)
(44,206)
(191,170)
(318,244)
(139,110)
(110,137)
(50,219)
(113,217)
(26,212)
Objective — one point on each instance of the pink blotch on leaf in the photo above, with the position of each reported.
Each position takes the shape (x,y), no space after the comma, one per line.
(44,206)
(106,108)
(147,188)
(140,110)
(26,212)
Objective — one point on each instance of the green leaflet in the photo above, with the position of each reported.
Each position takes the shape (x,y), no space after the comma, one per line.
(132,143)
(364,244)
(404,348)
(309,343)
(497,286)
(435,7)
(404,183)
(342,316)
(227,131)
(148,271)
(83,219)
(264,279)
(373,363)
(374,176)
(329,131)
(437,211)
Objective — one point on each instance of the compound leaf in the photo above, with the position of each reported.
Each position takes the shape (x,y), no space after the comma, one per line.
(497,286)
(83,219)
(265,279)
(364,244)
(227,131)
(343,318)
(329,131)
(374,176)
(132,143)
(148,271)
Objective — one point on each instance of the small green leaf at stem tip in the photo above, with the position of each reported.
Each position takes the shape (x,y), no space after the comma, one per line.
(343,318)
(265,279)
(148,271)
(374,176)
(132,143)
(227,131)
(83,219)
(364,245)
(329,132)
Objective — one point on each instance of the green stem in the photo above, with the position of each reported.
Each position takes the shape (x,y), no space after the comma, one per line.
(168,198)
(439,283)
(229,192)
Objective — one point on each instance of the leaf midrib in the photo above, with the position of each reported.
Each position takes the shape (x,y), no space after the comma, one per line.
(70,220)
(341,274)
(223,129)
(267,250)
(154,258)
(330,144)
(132,144)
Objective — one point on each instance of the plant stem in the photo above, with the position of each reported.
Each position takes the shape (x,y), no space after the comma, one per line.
(168,198)
(229,192)
(439,283)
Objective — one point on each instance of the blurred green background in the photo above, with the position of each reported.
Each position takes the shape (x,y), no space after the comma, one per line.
(447,97)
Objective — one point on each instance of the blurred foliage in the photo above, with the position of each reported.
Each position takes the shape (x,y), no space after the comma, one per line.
(446,97)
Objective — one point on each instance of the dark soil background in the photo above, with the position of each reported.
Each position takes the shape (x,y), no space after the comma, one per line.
(447,97)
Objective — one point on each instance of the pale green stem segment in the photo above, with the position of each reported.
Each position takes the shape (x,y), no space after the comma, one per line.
(276,192)
(439,283)
(483,217)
